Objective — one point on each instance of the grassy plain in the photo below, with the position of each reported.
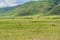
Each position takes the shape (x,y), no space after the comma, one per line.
(30,28)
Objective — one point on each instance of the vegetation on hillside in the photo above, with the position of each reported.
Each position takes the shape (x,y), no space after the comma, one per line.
(32,8)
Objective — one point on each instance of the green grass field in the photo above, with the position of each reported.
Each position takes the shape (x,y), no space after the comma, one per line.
(29,29)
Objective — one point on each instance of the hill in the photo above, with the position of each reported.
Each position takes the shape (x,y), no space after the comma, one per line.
(32,8)
(55,10)
(5,11)
(36,7)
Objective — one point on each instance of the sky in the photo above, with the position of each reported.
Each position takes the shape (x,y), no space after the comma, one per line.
(8,3)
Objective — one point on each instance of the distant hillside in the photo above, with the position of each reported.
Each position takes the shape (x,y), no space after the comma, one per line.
(5,10)
(55,10)
(29,8)
(36,7)
(51,3)
(32,8)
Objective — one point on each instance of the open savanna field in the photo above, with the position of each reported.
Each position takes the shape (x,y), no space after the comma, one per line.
(30,28)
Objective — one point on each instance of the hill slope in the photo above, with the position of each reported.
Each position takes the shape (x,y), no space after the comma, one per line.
(5,11)
(29,9)
(55,10)
(32,8)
